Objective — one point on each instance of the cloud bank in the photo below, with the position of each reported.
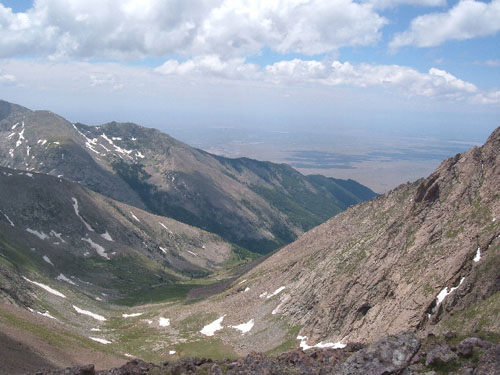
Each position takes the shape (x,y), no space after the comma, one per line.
(139,28)
(466,20)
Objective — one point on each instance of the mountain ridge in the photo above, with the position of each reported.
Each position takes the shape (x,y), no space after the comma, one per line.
(257,205)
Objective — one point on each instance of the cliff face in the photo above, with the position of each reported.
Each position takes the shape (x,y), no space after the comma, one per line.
(425,256)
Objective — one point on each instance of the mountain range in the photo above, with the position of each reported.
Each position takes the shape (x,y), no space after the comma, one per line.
(257,205)
(106,252)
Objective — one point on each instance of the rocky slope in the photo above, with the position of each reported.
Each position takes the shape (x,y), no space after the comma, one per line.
(425,257)
(55,229)
(257,205)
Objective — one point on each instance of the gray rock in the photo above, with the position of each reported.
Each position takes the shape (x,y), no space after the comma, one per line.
(215,370)
(489,364)
(476,341)
(440,354)
(465,348)
(387,356)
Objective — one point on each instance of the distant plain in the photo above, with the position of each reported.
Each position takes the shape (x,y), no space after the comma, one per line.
(380,162)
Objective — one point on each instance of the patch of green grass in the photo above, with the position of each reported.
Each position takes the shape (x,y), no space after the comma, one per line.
(53,337)
(289,343)
(194,323)
(445,367)
(452,232)
(482,316)
(161,293)
(211,348)
(427,290)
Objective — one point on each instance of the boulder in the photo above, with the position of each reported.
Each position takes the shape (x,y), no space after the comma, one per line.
(440,354)
(387,356)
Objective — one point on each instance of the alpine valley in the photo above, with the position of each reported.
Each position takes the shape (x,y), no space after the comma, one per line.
(118,242)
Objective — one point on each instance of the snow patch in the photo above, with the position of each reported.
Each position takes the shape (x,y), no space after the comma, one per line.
(53,233)
(117,148)
(444,293)
(245,327)
(14,126)
(304,346)
(47,260)
(46,288)
(247,289)
(91,314)
(172,352)
(20,139)
(270,295)
(107,236)
(241,282)
(61,277)
(100,341)
(29,174)
(128,355)
(477,258)
(98,248)
(77,212)
(134,217)
(190,252)
(139,155)
(46,314)
(131,315)
(163,249)
(40,235)
(278,308)
(8,219)
(164,226)
(95,329)
(164,322)
(210,329)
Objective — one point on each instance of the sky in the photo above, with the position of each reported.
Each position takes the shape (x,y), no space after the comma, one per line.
(405,66)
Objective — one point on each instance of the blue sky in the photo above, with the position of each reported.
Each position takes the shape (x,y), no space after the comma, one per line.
(400,65)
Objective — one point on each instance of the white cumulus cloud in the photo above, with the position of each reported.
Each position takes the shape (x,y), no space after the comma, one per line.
(228,28)
(210,65)
(435,83)
(466,20)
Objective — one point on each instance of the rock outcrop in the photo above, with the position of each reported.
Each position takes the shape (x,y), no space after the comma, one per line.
(398,354)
